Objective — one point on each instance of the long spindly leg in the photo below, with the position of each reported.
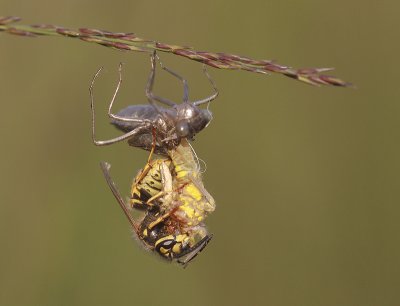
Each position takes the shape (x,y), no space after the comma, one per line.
(119,138)
(136,188)
(153,144)
(155,197)
(105,167)
(214,95)
(148,166)
(145,123)
(162,170)
(184,82)
(149,88)
(111,115)
(162,218)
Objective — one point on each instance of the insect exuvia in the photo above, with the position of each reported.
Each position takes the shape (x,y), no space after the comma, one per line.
(172,123)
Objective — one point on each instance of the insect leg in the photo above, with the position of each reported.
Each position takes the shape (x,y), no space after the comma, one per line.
(145,123)
(153,144)
(141,197)
(185,84)
(155,197)
(149,88)
(162,218)
(105,167)
(119,138)
(111,115)
(214,95)
(148,164)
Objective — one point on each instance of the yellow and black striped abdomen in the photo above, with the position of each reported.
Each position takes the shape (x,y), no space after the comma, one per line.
(147,184)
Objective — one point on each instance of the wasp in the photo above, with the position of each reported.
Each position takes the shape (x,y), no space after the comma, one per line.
(177,183)
(160,231)
(148,184)
(172,123)
(176,203)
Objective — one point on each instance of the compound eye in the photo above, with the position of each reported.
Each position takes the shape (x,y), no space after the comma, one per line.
(182,129)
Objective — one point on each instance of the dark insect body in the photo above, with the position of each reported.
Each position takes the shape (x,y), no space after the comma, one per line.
(172,123)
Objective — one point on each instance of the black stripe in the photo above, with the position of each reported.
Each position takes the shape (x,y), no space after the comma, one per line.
(152,187)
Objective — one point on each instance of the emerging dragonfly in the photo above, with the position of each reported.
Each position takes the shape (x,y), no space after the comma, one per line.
(172,123)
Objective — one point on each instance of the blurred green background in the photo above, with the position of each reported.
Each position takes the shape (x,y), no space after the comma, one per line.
(306,179)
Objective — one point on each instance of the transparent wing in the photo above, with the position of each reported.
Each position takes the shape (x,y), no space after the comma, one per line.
(105,167)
